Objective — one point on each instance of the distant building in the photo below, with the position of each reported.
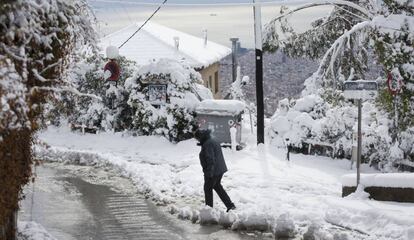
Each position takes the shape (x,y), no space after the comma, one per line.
(154,42)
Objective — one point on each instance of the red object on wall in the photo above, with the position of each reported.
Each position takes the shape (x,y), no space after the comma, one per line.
(113,67)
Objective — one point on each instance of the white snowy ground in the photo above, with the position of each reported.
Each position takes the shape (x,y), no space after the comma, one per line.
(263,185)
(32,231)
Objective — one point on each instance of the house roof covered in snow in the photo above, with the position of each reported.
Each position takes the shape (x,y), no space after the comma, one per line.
(155,41)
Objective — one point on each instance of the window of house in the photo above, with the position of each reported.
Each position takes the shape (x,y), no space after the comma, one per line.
(216,82)
(210,83)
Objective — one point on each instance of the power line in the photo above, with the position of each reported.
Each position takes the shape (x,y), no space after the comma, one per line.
(159,7)
(205,4)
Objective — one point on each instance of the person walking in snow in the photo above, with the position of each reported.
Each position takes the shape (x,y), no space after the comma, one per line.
(214,166)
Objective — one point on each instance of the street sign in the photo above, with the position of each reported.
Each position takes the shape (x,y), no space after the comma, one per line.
(394,84)
(360,89)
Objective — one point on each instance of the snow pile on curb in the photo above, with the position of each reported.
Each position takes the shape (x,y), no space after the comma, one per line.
(396,180)
(32,231)
(359,193)
(83,158)
(285,227)
(209,216)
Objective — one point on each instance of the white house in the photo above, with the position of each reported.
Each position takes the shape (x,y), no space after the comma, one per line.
(154,42)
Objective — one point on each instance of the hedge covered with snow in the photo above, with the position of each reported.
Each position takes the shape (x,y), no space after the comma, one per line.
(175,118)
(127,105)
(310,119)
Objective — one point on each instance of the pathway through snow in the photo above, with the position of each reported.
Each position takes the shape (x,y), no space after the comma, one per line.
(260,181)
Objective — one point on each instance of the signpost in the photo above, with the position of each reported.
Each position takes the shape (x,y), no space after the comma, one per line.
(394,87)
(360,90)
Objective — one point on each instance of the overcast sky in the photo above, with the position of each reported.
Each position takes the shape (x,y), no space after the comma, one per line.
(222,22)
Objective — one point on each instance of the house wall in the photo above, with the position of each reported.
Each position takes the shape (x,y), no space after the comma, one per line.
(211,79)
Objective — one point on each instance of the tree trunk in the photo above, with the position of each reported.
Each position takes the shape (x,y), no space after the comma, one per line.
(8,230)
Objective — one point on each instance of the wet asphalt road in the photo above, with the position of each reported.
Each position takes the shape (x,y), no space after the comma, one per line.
(85,203)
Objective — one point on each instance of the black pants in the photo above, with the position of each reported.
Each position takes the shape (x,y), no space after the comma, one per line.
(215,183)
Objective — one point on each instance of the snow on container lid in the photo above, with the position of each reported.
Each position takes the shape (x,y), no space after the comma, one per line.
(395,180)
(220,107)
(112,52)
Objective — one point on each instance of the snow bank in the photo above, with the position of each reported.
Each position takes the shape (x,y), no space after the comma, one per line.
(359,193)
(220,107)
(285,227)
(395,180)
(261,183)
(32,231)
(209,215)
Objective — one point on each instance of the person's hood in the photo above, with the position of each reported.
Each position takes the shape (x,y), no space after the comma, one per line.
(202,135)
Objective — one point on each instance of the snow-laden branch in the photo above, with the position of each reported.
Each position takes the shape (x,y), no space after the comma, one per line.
(38,76)
(351,13)
(324,3)
(51,66)
(335,49)
(12,54)
(386,24)
(66,89)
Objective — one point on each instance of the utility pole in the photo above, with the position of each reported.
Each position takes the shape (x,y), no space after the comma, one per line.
(234,57)
(259,70)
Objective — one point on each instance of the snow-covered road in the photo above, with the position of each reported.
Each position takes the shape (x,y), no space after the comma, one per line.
(260,181)
(86,203)
(71,208)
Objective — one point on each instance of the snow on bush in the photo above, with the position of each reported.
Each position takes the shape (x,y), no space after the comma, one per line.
(12,92)
(383,29)
(174,118)
(108,110)
(318,122)
(127,106)
(310,120)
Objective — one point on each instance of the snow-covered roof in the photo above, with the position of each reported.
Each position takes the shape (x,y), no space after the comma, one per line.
(155,42)
(220,107)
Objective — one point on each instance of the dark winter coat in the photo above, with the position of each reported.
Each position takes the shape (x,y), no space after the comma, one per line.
(211,156)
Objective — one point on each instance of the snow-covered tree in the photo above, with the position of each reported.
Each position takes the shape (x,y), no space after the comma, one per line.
(175,118)
(37,40)
(110,110)
(343,41)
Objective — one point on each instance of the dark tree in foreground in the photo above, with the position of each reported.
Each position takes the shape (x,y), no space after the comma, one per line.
(37,41)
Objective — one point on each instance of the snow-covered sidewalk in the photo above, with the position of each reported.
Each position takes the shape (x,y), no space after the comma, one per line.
(32,231)
(264,186)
